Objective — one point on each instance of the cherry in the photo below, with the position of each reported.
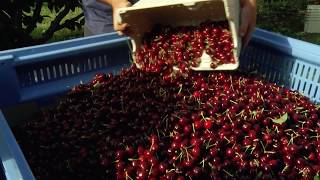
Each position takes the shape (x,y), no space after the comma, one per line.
(246,127)
(163,167)
(198,125)
(196,171)
(288,159)
(196,151)
(208,124)
(252,134)
(187,129)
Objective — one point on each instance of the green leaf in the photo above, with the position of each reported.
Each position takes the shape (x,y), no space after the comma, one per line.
(282,119)
(316,177)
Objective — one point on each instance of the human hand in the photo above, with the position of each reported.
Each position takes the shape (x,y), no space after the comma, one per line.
(120,28)
(248,19)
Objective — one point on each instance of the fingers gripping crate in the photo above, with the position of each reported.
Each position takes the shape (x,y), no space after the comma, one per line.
(146,13)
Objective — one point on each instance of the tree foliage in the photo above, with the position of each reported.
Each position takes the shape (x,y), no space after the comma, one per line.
(283,16)
(18,19)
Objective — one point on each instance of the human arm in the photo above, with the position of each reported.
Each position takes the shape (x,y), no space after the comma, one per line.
(248,19)
(116,4)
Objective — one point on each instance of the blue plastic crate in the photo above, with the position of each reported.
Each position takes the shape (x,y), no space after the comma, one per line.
(286,61)
(42,73)
(2,175)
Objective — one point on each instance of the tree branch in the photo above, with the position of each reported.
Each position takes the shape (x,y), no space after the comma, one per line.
(67,23)
(55,24)
(35,17)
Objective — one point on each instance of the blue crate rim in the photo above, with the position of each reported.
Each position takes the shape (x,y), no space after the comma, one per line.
(67,51)
(291,46)
(82,39)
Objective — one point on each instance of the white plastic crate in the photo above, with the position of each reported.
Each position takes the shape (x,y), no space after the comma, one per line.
(146,13)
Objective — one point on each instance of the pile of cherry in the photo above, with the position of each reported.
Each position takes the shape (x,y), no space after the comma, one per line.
(212,125)
(166,47)
(230,126)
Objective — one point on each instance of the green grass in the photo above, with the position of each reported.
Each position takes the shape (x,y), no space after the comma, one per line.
(62,34)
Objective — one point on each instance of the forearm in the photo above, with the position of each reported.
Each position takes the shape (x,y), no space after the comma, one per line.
(251,3)
(116,3)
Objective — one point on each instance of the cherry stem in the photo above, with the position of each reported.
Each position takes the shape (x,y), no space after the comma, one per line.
(180,156)
(150,170)
(130,159)
(193,129)
(202,163)
(229,174)
(128,177)
(276,129)
(252,149)
(180,89)
(227,140)
(256,162)
(234,102)
(284,169)
(263,147)
(231,82)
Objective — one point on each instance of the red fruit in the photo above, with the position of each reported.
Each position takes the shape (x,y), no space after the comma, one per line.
(140,150)
(312,156)
(163,167)
(195,142)
(198,125)
(314,117)
(175,145)
(154,148)
(252,134)
(197,94)
(120,165)
(300,162)
(182,121)
(288,159)
(273,163)
(230,152)
(246,142)
(208,124)
(141,174)
(187,129)
(213,152)
(196,151)
(130,151)
(187,163)
(293,148)
(246,127)
(196,171)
